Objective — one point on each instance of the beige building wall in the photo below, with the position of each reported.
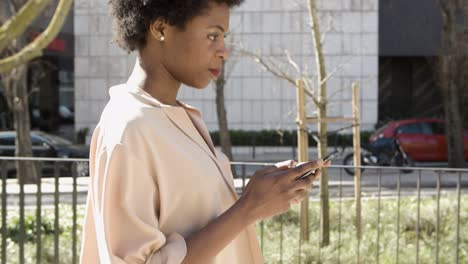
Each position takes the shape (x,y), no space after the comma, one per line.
(255,99)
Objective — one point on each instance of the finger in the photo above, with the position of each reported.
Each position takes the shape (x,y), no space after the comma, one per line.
(303,184)
(308,182)
(318,174)
(286,163)
(277,166)
(300,196)
(280,166)
(266,170)
(303,168)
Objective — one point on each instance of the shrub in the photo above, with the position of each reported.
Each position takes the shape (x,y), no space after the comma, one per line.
(283,138)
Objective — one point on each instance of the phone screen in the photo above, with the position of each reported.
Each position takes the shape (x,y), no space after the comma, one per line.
(327,158)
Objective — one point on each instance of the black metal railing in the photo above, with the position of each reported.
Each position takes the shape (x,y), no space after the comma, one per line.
(392,194)
(29,204)
(415,217)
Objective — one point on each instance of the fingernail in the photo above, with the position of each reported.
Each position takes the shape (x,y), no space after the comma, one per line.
(292,164)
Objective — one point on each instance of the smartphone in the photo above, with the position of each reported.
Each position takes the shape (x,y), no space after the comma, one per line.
(329,157)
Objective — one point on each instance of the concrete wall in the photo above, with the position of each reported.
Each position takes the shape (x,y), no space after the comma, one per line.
(255,99)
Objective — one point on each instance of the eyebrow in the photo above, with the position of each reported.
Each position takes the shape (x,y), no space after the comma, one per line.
(219,27)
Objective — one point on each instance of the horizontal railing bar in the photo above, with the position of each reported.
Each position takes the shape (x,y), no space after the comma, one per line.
(257,164)
(44,159)
(364,167)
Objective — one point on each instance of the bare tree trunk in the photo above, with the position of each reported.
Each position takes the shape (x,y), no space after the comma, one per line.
(322,126)
(224,137)
(453,117)
(16,90)
(13,66)
(451,79)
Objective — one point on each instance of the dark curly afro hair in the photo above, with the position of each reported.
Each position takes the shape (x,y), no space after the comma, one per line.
(131,18)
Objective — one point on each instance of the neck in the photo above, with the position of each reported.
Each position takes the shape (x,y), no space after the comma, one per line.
(156,81)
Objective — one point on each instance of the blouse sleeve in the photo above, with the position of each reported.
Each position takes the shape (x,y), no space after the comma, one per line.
(125,206)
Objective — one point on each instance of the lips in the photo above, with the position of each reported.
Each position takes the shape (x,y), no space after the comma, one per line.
(215,72)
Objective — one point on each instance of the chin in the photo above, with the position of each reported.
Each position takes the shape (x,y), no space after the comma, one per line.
(199,85)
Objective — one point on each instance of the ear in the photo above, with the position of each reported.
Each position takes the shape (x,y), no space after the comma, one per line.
(157,28)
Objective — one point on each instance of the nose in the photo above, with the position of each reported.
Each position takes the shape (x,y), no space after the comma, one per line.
(223,52)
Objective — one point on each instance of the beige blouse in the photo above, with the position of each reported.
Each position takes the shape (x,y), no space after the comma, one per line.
(155,179)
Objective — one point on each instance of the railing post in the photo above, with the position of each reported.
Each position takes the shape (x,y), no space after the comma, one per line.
(56,211)
(22,232)
(74,208)
(3,172)
(457,236)
(39,214)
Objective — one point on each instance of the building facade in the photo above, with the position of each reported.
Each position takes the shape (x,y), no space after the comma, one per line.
(408,73)
(255,99)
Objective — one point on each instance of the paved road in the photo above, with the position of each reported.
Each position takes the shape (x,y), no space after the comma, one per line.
(389,178)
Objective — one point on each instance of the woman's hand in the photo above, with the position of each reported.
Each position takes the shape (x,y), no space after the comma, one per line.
(272,190)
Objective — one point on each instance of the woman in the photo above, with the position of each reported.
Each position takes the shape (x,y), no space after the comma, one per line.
(160,192)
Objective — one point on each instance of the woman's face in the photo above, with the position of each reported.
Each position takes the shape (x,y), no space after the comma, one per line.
(195,55)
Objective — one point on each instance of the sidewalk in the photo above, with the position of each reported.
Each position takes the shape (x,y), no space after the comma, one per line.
(241,154)
(48,189)
(65,190)
(65,187)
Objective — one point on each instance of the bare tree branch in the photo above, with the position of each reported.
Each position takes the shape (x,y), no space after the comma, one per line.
(15,5)
(34,49)
(268,66)
(278,72)
(229,73)
(327,30)
(336,93)
(310,91)
(17,24)
(291,61)
(337,68)
(233,61)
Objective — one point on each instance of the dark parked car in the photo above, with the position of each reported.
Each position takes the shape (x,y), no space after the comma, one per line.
(421,139)
(46,145)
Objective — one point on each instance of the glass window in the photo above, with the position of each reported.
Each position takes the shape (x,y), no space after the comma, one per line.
(7,141)
(37,142)
(426,128)
(55,140)
(409,129)
(438,128)
(381,129)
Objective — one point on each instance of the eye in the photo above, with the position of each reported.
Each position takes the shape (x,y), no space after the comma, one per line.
(213,37)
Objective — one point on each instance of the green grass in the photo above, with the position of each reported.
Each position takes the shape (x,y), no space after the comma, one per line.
(283,231)
(344,249)
(47,237)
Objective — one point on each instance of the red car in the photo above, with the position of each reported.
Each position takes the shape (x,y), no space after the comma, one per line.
(421,139)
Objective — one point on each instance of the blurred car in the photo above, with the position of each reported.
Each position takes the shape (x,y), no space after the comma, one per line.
(66,114)
(46,145)
(421,139)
